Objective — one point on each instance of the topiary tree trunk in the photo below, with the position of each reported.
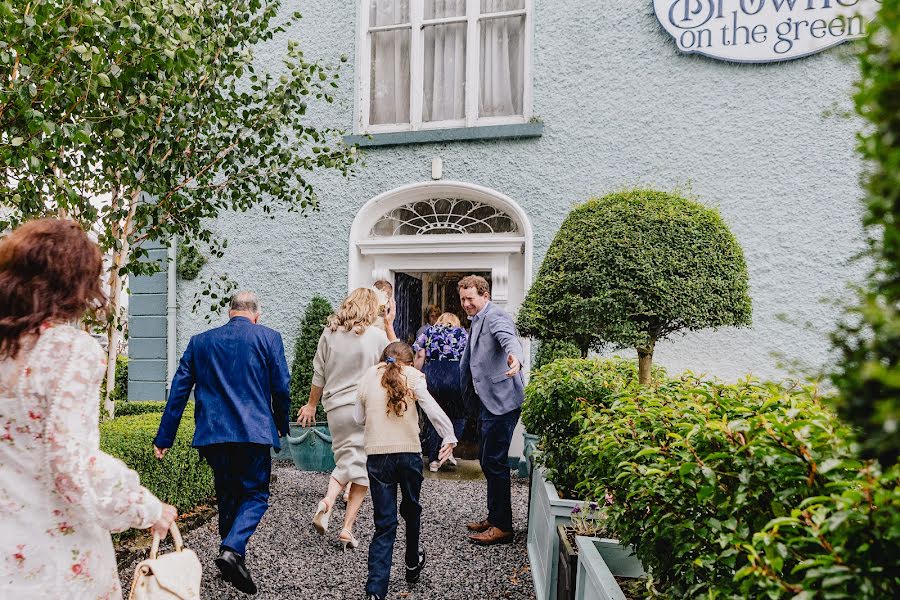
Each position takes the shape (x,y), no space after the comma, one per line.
(645,363)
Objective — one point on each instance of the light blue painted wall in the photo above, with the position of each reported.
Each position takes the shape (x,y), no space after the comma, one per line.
(620,108)
(147,334)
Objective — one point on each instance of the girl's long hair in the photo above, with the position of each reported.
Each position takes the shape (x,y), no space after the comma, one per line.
(357,312)
(397,355)
(49,271)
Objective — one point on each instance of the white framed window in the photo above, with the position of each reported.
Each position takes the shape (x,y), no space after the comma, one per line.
(434,64)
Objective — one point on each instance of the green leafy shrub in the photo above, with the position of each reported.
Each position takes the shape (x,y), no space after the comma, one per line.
(554,395)
(314,320)
(120,390)
(124,409)
(189,261)
(868,339)
(181,478)
(636,267)
(845,544)
(700,471)
(550,350)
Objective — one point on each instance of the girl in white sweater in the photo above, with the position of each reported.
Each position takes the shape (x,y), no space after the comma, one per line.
(385,404)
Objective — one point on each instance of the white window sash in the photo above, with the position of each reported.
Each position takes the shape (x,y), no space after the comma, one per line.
(417,67)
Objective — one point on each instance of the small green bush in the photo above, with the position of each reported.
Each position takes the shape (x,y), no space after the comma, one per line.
(554,395)
(120,391)
(721,490)
(314,320)
(124,409)
(550,350)
(189,261)
(633,268)
(182,478)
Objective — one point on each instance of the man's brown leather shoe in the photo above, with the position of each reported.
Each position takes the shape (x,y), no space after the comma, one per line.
(492,536)
(478,526)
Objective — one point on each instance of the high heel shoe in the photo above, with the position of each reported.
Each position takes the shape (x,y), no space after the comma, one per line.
(320,519)
(352,542)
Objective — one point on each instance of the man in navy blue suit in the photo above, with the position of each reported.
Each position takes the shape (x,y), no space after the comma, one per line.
(240,380)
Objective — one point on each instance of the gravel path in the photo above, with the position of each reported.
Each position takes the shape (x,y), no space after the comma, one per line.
(289,560)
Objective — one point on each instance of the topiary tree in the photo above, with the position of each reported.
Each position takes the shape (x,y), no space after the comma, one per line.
(868,338)
(314,319)
(633,268)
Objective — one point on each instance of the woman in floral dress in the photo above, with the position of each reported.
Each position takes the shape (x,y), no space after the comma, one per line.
(60,496)
(439,349)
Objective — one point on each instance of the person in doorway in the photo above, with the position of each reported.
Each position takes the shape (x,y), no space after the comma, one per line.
(384,405)
(438,351)
(60,494)
(241,382)
(432,313)
(491,380)
(349,345)
(386,305)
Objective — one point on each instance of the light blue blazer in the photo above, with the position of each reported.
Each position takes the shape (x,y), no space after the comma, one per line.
(483,364)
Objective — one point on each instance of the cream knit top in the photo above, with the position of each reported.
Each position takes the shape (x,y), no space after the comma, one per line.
(341,359)
(386,433)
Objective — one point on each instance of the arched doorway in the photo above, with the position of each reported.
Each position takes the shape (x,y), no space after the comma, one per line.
(424,236)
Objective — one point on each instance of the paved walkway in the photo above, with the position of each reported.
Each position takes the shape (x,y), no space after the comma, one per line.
(289,560)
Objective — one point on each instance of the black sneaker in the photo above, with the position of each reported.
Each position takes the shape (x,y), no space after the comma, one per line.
(412,573)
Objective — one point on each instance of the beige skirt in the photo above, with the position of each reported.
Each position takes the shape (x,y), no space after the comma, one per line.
(347,439)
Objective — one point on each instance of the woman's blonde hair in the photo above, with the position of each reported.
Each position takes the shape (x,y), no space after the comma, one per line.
(448,318)
(357,311)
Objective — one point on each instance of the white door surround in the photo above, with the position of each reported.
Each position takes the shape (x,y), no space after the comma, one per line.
(506,255)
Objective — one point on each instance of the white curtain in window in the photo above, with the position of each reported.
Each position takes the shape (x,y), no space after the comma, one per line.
(502,60)
(389,92)
(445,62)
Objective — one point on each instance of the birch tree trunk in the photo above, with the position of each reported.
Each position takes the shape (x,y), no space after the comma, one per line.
(120,254)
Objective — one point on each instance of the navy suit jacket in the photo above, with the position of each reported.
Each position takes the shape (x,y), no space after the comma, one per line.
(483,367)
(241,387)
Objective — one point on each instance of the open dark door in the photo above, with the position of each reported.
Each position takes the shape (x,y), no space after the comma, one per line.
(408,296)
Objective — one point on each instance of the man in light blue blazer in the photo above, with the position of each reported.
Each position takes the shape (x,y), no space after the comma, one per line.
(240,379)
(491,382)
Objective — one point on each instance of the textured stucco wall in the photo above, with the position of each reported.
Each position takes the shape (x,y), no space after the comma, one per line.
(621,108)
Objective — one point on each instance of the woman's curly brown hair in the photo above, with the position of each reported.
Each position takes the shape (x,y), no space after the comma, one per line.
(396,356)
(49,271)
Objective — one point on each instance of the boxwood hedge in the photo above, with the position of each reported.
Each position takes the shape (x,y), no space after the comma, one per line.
(181,478)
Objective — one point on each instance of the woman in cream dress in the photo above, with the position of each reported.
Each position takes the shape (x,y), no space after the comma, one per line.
(349,345)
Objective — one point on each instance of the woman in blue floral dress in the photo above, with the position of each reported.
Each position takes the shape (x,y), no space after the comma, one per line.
(439,348)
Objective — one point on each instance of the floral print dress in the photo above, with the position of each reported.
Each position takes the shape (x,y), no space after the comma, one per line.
(60,496)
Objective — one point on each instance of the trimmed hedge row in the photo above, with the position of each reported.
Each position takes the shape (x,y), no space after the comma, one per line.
(181,478)
(556,392)
(739,491)
(124,409)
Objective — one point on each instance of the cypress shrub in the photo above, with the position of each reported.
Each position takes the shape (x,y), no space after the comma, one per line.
(182,478)
(314,320)
(633,268)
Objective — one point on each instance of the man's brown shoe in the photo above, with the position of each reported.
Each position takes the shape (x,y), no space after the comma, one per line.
(492,536)
(478,526)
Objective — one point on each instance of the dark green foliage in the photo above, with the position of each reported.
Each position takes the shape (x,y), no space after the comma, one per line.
(868,339)
(120,392)
(550,350)
(124,409)
(632,268)
(556,393)
(741,491)
(181,478)
(314,320)
(190,261)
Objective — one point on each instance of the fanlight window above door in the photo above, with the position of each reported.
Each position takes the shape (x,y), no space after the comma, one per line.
(444,216)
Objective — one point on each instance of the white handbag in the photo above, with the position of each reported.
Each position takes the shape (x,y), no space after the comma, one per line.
(172,576)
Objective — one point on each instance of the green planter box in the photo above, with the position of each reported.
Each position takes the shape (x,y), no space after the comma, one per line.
(308,447)
(600,561)
(546,510)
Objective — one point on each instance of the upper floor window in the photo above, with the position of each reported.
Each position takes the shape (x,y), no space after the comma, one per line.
(427,64)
